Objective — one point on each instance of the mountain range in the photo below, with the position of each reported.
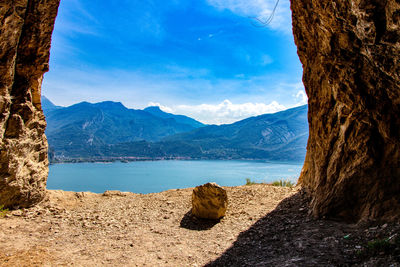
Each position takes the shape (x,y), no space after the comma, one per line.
(107,130)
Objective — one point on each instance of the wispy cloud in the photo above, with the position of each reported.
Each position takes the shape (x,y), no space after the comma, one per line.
(260,10)
(76,19)
(224,112)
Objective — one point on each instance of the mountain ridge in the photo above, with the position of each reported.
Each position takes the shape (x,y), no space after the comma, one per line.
(156,111)
(104,123)
(110,130)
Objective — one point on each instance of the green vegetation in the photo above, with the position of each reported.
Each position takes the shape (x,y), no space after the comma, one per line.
(385,246)
(379,245)
(249,181)
(283,183)
(3,211)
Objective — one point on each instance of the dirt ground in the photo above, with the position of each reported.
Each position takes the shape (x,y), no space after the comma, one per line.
(264,226)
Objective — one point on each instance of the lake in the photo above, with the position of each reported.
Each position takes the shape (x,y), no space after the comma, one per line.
(156,176)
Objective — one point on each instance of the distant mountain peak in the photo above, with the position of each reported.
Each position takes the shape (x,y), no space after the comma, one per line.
(47,105)
(110,104)
(158,112)
(153,108)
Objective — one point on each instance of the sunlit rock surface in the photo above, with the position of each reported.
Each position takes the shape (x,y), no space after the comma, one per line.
(350,51)
(25,37)
(209,201)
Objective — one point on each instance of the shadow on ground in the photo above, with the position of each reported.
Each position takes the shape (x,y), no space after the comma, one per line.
(288,236)
(192,223)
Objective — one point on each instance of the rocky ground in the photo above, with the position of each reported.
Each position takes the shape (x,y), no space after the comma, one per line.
(264,226)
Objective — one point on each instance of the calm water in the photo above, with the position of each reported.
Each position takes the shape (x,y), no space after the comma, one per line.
(156,176)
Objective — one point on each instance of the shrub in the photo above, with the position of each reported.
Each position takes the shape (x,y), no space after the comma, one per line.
(3,211)
(283,183)
(388,246)
(380,245)
(249,181)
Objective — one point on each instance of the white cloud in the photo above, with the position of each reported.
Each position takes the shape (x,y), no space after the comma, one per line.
(162,107)
(135,89)
(260,9)
(302,97)
(222,113)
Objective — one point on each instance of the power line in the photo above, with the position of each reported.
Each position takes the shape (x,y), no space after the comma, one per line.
(268,20)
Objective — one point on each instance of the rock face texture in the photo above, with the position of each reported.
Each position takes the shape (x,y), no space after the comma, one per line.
(209,201)
(25,36)
(350,51)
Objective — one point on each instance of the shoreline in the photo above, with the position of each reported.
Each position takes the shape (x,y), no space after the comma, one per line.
(141,159)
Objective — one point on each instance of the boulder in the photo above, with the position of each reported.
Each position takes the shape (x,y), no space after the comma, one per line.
(209,201)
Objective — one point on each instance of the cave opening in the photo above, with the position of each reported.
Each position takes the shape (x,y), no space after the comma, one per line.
(180,58)
(351,75)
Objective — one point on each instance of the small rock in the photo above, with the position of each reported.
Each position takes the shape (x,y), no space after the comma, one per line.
(80,194)
(17,213)
(110,193)
(209,201)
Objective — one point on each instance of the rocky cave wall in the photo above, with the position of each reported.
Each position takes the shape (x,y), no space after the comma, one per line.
(25,36)
(350,51)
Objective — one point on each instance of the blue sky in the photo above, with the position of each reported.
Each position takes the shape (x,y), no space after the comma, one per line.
(207,59)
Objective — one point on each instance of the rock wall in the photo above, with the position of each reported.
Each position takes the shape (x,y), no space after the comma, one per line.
(350,51)
(25,36)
